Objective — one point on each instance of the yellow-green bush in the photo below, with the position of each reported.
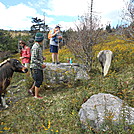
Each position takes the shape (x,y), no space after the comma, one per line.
(123,51)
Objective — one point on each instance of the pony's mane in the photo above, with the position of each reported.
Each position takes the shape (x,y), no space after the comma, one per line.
(4,62)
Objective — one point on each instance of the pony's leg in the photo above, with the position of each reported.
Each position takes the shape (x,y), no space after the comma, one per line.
(3,101)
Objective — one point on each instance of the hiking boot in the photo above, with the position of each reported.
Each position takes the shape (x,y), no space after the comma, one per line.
(53,62)
(30,92)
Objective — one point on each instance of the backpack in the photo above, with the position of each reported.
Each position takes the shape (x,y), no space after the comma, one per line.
(53,38)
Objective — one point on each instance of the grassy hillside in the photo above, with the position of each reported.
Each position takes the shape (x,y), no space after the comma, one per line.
(57,113)
(19,33)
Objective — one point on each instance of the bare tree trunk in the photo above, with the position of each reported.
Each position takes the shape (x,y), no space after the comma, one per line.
(126,30)
(82,40)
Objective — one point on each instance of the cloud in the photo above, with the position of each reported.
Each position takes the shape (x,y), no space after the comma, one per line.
(19,17)
(67,25)
(38,3)
(106,6)
(78,7)
(16,17)
(67,8)
(108,10)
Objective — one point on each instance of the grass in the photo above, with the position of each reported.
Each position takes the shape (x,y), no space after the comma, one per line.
(57,112)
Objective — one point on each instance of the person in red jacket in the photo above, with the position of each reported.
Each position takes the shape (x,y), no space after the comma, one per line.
(25,53)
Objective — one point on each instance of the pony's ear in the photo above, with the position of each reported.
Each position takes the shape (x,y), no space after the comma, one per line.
(5,61)
(8,59)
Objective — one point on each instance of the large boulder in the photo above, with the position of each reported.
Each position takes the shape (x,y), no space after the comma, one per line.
(105,58)
(101,107)
(64,72)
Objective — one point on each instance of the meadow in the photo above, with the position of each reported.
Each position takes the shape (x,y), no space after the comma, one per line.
(57,112)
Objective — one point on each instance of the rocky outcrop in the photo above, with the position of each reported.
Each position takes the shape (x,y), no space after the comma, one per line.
(101,107)
(64,72)
(105,58)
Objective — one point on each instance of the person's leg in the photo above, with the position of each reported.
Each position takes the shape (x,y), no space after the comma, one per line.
(38,83)
(31,90)
(37,89)
(53,57)
(56,54)
(32,87)
(56,57)
(52,51)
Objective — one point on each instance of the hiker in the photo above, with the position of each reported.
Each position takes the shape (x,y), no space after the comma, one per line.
(24,53)
(55,39)
(37,65)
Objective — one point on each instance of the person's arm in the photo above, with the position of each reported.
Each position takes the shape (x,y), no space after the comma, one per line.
(54,33)
(21,55)
(20,52)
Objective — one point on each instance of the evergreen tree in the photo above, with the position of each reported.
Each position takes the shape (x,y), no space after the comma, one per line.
(7,43)
(108,28)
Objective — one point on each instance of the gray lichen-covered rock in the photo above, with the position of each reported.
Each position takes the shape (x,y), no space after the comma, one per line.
(64,72)
(105,58)
(100,107)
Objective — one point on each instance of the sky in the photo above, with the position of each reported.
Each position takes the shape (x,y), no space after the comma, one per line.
(17,14)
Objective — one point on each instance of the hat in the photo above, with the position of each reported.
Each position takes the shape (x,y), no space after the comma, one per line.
(39,37)
(57,26)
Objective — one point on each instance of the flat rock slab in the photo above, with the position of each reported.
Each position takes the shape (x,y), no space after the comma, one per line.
(61,64)
(64,72)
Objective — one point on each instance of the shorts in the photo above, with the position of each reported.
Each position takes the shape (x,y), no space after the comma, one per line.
(53,49)
(37,75)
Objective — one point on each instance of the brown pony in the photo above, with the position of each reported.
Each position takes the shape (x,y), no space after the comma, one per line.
(7,68)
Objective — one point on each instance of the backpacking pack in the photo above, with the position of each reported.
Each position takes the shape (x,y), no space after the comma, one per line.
(54,38)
